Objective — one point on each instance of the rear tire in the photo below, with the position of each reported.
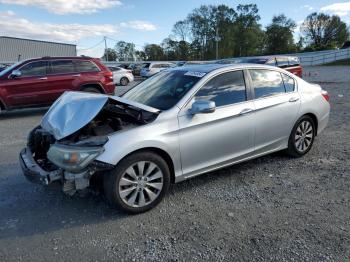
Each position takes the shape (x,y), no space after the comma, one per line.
(302,137)
(138,183)
(91,90)
(124,81)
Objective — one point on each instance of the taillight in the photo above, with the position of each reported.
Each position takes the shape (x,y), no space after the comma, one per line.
(325,95)
(108,76)
(129,71)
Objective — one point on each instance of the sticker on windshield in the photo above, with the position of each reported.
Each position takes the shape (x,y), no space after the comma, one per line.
(196,74)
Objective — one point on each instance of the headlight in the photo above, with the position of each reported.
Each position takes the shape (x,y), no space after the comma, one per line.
(71,158)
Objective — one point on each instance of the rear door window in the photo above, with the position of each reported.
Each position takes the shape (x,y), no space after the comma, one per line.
(266,82)
(85,66)
(37,68)
(62,67)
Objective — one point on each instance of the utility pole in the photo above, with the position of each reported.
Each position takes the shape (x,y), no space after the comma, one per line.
(106,53)
(217,39)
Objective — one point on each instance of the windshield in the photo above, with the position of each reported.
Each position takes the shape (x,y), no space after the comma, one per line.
(8,69)
(163,90)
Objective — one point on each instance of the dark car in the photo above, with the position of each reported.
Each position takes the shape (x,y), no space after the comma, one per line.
(40,81)
(3,67)
(136,68)
(289,63)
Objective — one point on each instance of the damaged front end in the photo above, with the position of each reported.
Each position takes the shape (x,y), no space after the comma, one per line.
(72,135)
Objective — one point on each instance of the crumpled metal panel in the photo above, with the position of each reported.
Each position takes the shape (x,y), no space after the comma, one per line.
(74,110)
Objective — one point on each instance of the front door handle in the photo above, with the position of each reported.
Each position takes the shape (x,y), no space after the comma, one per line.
(293,99)
(246,111)
(77,75)
(43,78)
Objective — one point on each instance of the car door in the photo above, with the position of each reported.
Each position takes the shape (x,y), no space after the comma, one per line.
(208,141)
(29,88)
(61,77)
(277,104)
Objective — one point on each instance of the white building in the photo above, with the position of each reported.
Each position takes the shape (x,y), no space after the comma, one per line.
(15,49)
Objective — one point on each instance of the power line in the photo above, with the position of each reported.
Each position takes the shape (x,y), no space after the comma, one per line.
(92,47)
(120,40)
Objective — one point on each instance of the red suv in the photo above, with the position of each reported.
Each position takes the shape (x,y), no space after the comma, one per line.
(40,81)
(289,63)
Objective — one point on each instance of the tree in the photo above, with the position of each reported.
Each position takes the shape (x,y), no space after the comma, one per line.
(199,21)
(279,35)
(154,52)
(125,51)
(323,31)
(248,35)
(181,30)
(109,55)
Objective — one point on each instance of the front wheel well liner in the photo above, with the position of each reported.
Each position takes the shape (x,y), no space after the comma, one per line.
(162,154)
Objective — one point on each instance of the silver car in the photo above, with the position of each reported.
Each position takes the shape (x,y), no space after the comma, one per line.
(178,124)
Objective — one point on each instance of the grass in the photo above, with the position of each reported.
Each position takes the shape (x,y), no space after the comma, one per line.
(344,62)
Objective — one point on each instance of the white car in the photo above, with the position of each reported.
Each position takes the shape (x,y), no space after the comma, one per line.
(150,69)
(121,76)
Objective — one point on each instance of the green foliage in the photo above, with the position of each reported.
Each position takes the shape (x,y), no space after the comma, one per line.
(238,33)
(279,36)
(110,55)
(125,51)
(323,31)
(154,52)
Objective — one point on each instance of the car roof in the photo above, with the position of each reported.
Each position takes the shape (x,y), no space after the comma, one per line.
(61,57)
(207,68)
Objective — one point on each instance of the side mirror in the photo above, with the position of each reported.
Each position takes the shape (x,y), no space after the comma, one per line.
(15,74)
(202,107)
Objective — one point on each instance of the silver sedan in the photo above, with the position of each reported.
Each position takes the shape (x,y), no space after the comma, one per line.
(178,124)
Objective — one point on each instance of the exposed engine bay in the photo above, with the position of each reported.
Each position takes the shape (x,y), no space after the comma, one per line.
(56,153)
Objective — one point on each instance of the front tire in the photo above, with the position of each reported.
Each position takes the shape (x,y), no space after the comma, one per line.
(302,137)
(138,183)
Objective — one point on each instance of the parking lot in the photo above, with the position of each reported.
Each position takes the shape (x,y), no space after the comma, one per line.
(271,208)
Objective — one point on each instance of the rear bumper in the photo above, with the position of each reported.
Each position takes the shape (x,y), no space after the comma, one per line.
(109,88)
(33,172)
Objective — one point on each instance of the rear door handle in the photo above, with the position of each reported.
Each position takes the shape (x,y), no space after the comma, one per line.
(246,111)
(77,75)
(293,99)
(43,78)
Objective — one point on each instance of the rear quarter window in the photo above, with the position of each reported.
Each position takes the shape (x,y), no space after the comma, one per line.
(289,83)
(85,66)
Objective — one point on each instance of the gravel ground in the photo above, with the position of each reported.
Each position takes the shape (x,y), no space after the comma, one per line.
(272,208)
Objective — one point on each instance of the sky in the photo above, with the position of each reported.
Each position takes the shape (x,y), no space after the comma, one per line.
(86,22)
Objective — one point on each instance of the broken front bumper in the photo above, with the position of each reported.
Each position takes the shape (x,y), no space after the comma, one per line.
(33,172)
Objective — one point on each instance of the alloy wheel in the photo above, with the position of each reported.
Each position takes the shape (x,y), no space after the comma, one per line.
(141,184)
(304,136)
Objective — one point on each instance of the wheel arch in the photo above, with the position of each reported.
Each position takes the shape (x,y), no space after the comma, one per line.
(162,154)
(94,85)
(314,118)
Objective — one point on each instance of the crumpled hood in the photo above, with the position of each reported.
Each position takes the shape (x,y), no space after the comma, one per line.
(74,110)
